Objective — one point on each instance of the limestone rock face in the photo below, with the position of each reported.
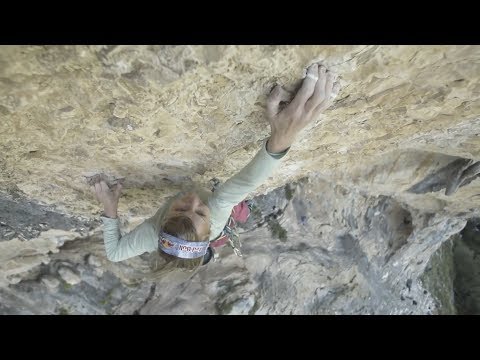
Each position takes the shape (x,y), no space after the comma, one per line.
(403,133)
(162,115)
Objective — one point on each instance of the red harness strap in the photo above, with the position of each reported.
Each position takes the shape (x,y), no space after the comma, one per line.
(240,214)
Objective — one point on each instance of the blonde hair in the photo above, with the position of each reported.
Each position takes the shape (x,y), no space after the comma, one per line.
(180,226)
(183,228)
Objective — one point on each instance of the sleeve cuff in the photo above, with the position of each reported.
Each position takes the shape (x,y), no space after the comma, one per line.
(275,155)
(108,220)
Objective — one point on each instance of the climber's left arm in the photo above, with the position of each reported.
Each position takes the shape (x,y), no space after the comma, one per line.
(315,95)
(237,188)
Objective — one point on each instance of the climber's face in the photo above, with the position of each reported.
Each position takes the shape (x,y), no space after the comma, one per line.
(192,206)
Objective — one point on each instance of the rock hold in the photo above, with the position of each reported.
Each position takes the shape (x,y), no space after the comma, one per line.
(69,276)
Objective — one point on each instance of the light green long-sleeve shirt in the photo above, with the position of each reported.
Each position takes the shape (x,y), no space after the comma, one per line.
(144,238)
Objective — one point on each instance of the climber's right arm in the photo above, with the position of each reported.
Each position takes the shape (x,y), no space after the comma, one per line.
(140,240)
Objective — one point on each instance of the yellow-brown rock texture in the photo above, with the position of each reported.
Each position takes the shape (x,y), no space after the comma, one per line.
(166,116)
(161,115)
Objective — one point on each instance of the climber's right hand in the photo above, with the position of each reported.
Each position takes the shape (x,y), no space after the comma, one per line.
(109,197)
(316,94)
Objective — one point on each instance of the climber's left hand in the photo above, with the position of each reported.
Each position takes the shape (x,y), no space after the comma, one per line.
(318,90)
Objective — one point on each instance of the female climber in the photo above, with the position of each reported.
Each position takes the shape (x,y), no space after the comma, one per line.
(186,229)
